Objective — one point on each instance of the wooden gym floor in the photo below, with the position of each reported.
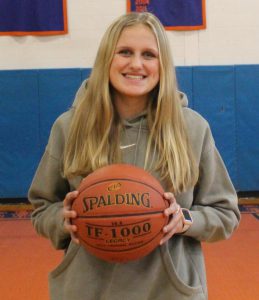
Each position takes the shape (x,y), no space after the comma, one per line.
(25,259)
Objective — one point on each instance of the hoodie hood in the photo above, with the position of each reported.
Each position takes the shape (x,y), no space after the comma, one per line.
(183,99)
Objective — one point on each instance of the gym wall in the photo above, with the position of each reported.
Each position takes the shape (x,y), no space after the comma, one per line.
(218,68)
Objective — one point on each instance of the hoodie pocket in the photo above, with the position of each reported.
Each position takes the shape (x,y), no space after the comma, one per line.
(186,288)
(70,254)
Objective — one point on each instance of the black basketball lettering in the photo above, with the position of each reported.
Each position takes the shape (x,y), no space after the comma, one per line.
(146,227)
(125,232)
(136,230)
(114,233)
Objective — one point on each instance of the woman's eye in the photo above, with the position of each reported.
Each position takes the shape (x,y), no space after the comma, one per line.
(149,55)
(125,52)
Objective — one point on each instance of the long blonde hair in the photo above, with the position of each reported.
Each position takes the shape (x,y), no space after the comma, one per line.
(93,139)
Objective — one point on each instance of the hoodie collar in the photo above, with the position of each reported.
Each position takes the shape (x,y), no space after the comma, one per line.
(136,120)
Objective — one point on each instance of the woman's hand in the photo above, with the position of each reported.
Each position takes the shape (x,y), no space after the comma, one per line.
(69,214)
(175,224)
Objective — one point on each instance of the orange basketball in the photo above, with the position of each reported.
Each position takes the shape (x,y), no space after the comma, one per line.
(120,213)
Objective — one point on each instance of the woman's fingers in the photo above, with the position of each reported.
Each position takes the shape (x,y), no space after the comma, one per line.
(175,223)
(173,206)
(69,214)
(70,197)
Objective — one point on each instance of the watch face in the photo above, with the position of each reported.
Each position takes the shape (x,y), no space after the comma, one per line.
(186,215)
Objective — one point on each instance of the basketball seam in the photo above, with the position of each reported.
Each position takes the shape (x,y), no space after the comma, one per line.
(121,215)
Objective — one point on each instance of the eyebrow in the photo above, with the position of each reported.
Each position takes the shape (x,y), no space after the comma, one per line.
(130,48)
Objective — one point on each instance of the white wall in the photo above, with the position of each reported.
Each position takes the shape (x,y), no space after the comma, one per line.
(231,37)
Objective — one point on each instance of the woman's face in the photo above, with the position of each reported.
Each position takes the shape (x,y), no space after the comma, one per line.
(134,70)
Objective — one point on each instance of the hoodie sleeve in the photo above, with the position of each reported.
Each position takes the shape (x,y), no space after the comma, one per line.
(48,189)
(214,207)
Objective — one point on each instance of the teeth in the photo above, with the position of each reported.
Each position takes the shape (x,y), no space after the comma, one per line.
(134,76)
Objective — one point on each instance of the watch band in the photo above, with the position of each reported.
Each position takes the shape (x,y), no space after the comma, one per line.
(187,219)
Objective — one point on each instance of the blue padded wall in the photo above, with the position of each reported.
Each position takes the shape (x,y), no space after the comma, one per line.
(30,101)
(185,82)
(247,115)
(214,98)
(56,92)
(19,131)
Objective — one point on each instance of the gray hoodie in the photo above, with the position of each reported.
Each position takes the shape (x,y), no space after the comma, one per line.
(175,270)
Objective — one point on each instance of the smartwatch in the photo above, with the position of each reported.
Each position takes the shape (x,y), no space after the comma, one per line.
(187,219)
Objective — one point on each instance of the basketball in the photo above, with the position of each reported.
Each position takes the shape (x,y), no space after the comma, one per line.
(120,213)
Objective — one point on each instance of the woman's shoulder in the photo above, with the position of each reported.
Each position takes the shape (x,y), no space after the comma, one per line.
(193,119)
(59,133)
(63,121)
(198,130)
(65,117)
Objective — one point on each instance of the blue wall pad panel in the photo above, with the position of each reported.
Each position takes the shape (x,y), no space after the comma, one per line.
(57,89)
(247,95)
(19,131)
(214,98)
(184,79)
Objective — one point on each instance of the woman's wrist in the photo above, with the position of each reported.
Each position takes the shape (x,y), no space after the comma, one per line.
(187,219)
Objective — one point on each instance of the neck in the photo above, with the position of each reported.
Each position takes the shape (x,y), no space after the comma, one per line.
(128,107)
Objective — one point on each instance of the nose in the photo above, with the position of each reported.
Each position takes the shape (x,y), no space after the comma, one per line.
(136,61)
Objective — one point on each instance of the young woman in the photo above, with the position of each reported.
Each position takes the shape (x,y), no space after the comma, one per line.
(130,111)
